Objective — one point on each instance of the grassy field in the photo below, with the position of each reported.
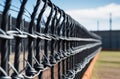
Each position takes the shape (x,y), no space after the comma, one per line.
(107,66)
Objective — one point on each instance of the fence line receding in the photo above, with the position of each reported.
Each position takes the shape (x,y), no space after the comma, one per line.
(39,40)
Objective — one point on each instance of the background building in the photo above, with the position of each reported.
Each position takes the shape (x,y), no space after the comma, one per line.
(110,39)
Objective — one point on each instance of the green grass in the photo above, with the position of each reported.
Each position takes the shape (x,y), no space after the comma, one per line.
(108,64)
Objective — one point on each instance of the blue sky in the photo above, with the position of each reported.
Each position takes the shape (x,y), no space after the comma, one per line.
(86,12)
(89,12)
(82,4)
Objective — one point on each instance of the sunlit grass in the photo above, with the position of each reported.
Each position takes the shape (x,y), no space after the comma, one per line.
(108,61)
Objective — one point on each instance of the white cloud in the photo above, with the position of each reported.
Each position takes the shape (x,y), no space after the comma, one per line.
(89,17)
(100,12)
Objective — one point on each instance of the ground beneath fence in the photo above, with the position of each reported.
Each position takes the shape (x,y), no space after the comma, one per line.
(107,65)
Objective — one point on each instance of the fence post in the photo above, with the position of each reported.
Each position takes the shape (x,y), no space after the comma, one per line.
(4,42)
(31,71)
(18,39)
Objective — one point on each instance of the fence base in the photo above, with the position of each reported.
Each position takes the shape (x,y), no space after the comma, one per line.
(88,72)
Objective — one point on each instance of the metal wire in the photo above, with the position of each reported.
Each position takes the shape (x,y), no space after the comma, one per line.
(62,45)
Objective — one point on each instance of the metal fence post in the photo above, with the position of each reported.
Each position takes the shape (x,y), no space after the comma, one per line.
(31,71)
(4,42)
(18,39)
